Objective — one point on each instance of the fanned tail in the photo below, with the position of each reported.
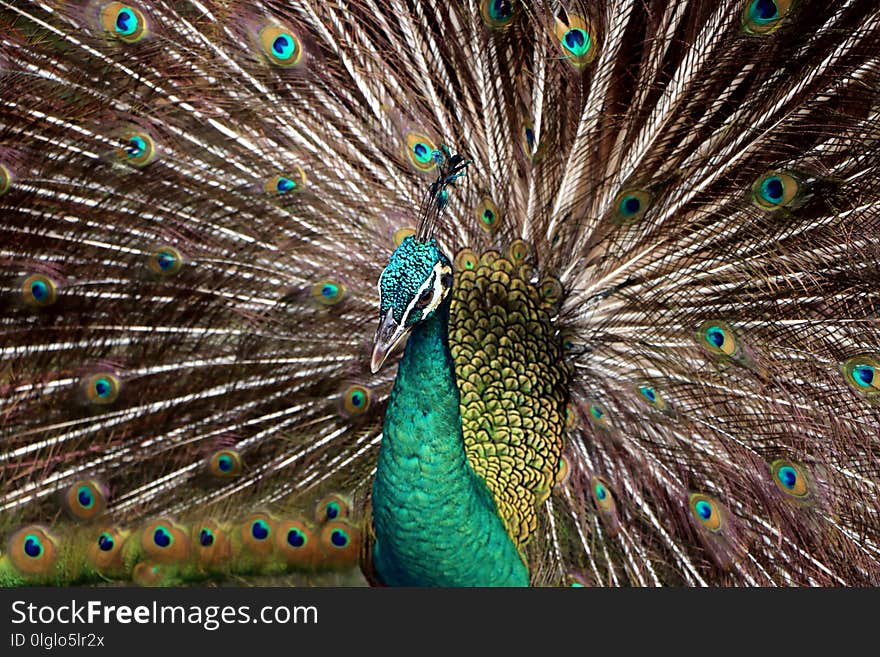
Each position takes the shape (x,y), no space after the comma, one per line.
(198,198)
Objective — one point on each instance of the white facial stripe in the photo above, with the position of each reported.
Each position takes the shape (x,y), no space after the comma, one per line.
(432,280)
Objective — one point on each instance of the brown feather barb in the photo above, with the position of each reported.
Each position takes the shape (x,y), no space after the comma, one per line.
(197,198)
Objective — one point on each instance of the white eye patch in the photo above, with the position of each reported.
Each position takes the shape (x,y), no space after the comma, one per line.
(432,283)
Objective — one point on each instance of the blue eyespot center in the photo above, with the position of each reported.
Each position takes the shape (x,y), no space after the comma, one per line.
(601,493)
(329,290)
(715,336)
(40,290)
(501,10)
(357,399)
(772,190)
(488,216)
(32,546)
(863,375)
(648,393)
(103,388)
(206,537)
(161,537)
(630,205)
(704,509)
(530,137)
(332,511)
(166,260)
(284,185)
(422,152)
(260,530)
(577,41)
(105,542)
(787,476)
(126,22)
(283,46)
(137,146)
(763,11)
(339,538)
(295,538)
(84,497)
(596,412)
(224,463)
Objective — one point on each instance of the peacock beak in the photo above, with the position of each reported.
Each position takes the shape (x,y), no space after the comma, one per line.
(388,335)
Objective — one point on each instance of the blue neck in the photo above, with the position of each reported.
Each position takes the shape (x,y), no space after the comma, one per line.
(436,522)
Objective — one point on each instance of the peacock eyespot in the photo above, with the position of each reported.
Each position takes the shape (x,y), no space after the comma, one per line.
(602,497)
(84,500)
(761,17)
(790,478)
(648,393)
(32,551)
(529,141)
(563,470)
(124,22)
(598,415)
(280,46)
(138,149)
(576,38)
(339,538)
(225,463)
(630,205)
(861,375)
(206,537)
(292,181)
(488,215)
(420,151)
(519,251)
(332,510)
(260,530)
(165,261)
(106,542)
(355,400)
(296,538)
(39,291)
(775,190)
(497,13)
(706,511)
(102,388)
(551,290)
(717,338)
(328,292)
(466,259)
(162,537)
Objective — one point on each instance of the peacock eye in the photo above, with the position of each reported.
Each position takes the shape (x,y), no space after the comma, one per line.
(424,298)
(446,280)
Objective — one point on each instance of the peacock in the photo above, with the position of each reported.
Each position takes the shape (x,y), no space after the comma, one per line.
(428,293)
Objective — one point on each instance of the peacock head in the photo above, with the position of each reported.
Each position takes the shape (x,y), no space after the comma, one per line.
(411,288)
